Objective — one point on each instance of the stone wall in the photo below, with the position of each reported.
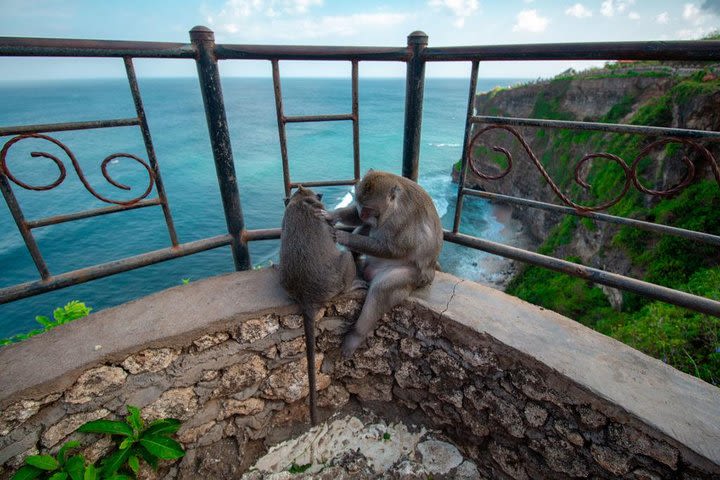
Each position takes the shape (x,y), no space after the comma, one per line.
(238,382)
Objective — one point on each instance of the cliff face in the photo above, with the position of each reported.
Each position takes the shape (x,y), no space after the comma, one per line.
(670,101)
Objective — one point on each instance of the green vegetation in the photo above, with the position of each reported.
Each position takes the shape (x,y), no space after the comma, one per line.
(134,441)
(59,467)
(295,468)
(71,311)
(684,339)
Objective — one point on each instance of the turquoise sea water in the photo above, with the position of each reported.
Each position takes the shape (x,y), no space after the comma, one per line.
(177,122)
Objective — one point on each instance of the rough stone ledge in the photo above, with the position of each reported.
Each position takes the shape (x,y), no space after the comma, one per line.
(681,406)
(685,409)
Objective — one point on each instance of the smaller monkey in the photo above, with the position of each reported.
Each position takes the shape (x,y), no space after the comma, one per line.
(312,269)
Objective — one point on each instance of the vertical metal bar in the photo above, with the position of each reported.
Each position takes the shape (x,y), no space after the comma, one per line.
(464,158)
(356,120)
(203,40)
(147,138)
(281,127)
(414,91)
(27,235)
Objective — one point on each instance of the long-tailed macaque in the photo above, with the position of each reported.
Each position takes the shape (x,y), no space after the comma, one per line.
(401,239)
(312,269)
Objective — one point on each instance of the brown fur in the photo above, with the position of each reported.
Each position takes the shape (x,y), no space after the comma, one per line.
(402,245)
(312,269)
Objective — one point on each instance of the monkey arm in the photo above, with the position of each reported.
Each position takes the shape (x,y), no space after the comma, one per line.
(367,245)
(347,215)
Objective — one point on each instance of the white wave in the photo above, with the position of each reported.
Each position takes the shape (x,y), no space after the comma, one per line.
(441,145)
(347,199)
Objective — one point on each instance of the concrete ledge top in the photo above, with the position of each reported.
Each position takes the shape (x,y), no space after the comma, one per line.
(681,406)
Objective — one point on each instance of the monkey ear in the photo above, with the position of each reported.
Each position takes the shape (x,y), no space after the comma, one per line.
(286,200)
(301,188)
(370,170)
(394,191)
(319,196)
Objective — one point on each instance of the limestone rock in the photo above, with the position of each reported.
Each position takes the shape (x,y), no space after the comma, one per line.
(439,457)
(251,406)
(292,348)
(611,460)
(467,471)
(257,328)
(191,435)
(509,461)
(95,451)
(68,425)
(535,414)
(348,308)
(179,403)
(150,360)
(210,340)
(291,322)
(290,383)
(591,418)
(411,347)
(16,414)
(96,382)
(335,396)
(250,370)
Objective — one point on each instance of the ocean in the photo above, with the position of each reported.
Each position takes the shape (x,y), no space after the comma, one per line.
(317,151)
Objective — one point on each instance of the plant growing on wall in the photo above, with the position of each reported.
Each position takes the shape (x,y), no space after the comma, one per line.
(136,441)
(71,311)
(59,467)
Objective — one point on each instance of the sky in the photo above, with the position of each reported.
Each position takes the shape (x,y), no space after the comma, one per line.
(352,23)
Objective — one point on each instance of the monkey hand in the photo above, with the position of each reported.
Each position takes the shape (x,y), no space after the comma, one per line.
(327,216)
(341,236)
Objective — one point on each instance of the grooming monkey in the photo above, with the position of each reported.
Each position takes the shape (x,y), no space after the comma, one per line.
(312,269)
(401,236)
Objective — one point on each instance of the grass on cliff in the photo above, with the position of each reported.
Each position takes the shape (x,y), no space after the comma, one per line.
(687,340)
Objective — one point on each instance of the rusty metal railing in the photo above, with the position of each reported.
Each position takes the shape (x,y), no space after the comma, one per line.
(416,54)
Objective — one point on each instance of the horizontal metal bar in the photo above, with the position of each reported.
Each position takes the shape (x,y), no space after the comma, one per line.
(261,234)
(83,275)
(323,183)
(603,217)
(62,127)
(659,50)
(65,47)
(43,222)
(650,290)
(596,126)
(318,118)
(309,52)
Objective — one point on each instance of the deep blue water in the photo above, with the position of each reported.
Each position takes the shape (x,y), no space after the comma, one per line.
(177,122)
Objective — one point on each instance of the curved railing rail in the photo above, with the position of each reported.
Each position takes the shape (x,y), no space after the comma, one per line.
(415,55)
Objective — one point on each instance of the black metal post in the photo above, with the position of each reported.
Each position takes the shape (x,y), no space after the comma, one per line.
(203,40)
(414,91)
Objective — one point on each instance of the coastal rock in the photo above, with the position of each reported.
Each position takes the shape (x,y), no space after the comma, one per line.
(96,382)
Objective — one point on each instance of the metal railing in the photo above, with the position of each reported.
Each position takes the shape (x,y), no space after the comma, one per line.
(415,55)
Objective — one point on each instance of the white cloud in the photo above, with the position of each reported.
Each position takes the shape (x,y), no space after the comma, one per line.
(610,7)
(634,16)
(578,10)
(530,21)
(663,18)
(461,9)
(348,25)
(690,12)
(234,10)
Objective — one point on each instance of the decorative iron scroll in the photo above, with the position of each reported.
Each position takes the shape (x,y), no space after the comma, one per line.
(63,173)
(631,171)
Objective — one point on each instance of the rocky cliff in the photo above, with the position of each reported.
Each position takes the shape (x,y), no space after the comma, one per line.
(661,98)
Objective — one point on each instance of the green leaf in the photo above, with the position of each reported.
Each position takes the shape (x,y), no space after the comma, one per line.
(112,463)
(43,462)
(126,443)
(164,426)
(75,466)
(134,419)
(110,427)
(45,321)
(134,464)
(90,473)
(119,476)
(67,446)
(27,473)
(162,447)
(59,476)
(149,458)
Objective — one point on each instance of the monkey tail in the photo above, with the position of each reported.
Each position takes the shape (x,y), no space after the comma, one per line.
(309,313)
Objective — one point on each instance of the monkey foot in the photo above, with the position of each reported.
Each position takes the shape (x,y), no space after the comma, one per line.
(351,343)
